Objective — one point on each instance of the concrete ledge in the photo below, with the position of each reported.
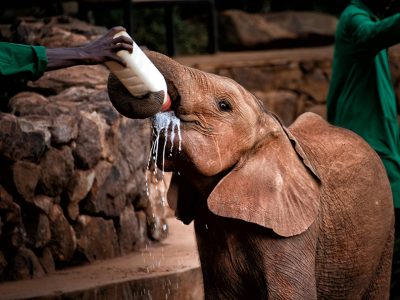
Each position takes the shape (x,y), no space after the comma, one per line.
(169,270)
(222,60)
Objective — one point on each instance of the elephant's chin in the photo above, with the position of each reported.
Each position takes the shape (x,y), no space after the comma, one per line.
(168,166)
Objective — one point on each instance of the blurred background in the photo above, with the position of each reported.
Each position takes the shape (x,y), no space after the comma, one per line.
(189,22)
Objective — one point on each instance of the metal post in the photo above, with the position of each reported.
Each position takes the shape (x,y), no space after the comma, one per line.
(169,29)
(212,28)
(127,7)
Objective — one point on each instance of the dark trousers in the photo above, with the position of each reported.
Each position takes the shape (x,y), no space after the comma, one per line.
(395,282)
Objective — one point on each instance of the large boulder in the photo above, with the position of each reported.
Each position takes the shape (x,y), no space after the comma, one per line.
(245,31)
(18,142)
(57,31)
(78,76)
(91,248)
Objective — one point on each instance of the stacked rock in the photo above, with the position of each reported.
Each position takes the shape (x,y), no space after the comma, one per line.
(73,172)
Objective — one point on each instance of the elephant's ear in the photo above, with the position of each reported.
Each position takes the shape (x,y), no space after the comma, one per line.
(273,187)
(182,199)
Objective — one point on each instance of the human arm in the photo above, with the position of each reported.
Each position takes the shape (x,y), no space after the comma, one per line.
(373,35)
(30,62)
(99,51)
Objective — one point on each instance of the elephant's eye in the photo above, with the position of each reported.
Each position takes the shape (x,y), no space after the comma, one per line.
(224,105)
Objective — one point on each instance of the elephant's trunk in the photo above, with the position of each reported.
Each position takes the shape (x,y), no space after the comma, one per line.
(131,106)
(149,104)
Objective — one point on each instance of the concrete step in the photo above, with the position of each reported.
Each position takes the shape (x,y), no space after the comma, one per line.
(168,270)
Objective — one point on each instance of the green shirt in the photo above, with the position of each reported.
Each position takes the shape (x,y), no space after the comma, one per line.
(22,61)
(361,96)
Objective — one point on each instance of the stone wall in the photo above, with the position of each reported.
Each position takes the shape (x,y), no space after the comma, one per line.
(73,171)
(288,81)
(288,87)
(73,177)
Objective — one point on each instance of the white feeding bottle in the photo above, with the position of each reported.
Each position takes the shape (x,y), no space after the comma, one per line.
(140,77)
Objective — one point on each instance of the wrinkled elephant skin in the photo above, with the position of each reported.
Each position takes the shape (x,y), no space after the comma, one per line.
(303,212)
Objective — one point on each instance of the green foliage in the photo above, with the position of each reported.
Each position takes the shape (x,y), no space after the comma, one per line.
(190,22)
(150,30)
(191,32)
(109,18)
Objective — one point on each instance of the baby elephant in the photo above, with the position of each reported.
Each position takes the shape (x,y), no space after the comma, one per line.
(303,212)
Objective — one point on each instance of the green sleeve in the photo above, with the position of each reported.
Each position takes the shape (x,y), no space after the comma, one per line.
(23,61)
(373,35)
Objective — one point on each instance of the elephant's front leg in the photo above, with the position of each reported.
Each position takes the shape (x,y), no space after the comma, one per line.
(246,261)
(290,266)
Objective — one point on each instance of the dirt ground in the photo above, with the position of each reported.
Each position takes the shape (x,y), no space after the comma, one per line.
(171,261)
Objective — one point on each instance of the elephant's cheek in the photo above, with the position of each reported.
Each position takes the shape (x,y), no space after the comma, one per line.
(189,152)
(200,154)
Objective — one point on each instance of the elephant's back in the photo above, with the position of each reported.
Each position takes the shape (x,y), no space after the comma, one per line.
(356,219)
(342,158)
(335,151)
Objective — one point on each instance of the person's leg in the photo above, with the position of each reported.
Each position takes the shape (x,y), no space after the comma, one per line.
(395,282)
(392,166)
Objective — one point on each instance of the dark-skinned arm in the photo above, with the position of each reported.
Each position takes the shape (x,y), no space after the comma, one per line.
(30,62)
(99,51)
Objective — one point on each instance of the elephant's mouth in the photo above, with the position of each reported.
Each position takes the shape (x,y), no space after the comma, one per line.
(168,128)
(187,120)
(174,95)
(176,105)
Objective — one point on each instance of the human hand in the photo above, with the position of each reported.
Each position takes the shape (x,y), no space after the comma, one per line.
(99,51)
(106,47)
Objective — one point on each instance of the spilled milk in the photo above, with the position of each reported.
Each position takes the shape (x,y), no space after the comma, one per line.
(168,124)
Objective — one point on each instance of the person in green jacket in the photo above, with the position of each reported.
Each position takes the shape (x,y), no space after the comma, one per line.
(30,62)
(361,95)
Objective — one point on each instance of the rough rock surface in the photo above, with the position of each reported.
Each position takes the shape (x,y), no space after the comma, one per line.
(73,170)
(58,31)
(288,81)
(247,31)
